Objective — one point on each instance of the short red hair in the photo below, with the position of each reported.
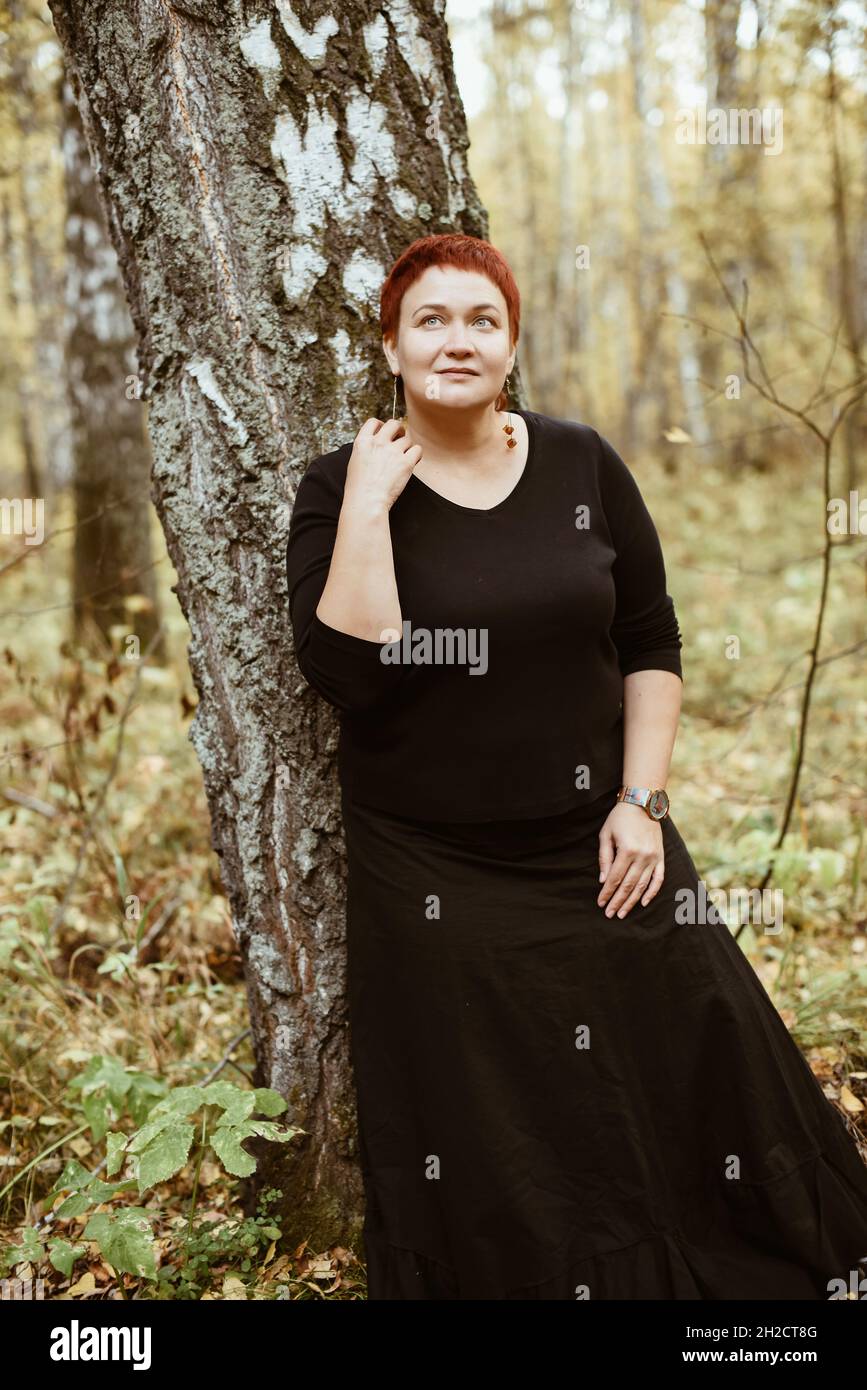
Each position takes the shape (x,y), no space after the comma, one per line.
(446,248)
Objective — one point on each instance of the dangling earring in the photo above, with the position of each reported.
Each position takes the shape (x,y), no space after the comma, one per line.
(509,429)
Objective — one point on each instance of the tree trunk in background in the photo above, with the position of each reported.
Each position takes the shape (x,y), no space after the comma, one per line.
(662,287)
(35,276)
(31,472)
(860,280)
(262,176)
(112,556)
(589,358)
(642,270)
(719,190)
(845,279)
(47,367)
(562,339)
(25,293)
(518,162)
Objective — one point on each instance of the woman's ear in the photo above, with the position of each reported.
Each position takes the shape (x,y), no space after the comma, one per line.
(390,354)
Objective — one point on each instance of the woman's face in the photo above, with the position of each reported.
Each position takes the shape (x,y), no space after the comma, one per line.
(449,319)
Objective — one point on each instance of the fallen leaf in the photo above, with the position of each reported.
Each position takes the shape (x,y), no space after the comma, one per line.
(850,1101)
(86,1284)
(233,1289)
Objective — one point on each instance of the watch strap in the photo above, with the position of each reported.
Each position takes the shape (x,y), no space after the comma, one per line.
(643,797)
(636,796)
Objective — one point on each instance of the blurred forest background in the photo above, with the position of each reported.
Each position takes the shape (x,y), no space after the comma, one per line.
(702,304)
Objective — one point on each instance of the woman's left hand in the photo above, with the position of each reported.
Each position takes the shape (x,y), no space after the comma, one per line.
(631,859)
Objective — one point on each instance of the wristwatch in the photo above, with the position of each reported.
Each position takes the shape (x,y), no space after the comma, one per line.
(653,800)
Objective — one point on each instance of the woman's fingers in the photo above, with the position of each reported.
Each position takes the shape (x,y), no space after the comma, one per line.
(621,878)
(640,885)
(655,883)
(629,876)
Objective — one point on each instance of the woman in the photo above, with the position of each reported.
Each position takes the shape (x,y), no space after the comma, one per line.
(565,1090)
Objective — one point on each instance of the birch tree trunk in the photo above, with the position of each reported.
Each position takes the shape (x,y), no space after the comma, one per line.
(32,473)
(662,286)
(33,360)
(567,279)
(845,286)
(518,170)
(261,174)
(728,170)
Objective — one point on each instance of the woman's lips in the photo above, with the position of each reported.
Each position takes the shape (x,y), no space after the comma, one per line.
(458,371)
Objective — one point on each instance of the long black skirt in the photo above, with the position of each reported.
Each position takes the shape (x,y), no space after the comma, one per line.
(556,1104)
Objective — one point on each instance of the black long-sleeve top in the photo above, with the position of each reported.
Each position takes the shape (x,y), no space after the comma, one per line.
(543,602)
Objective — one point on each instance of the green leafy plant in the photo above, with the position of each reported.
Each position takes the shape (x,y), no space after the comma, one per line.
(215,1246)
(109,1090)
(174,1126)
(59,1253)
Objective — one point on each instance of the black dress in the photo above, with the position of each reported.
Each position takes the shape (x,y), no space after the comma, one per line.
(679,1148)
(551,1103)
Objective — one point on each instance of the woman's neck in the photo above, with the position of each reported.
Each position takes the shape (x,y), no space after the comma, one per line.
(462,436)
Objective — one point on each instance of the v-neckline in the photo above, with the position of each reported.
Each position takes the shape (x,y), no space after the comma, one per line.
(526,416)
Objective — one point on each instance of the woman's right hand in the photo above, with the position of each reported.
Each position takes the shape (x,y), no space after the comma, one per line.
(381,462)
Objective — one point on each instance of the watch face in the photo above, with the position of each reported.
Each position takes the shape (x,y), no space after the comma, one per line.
(658,805)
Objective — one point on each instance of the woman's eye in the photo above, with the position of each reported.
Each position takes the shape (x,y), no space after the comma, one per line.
(481,317)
